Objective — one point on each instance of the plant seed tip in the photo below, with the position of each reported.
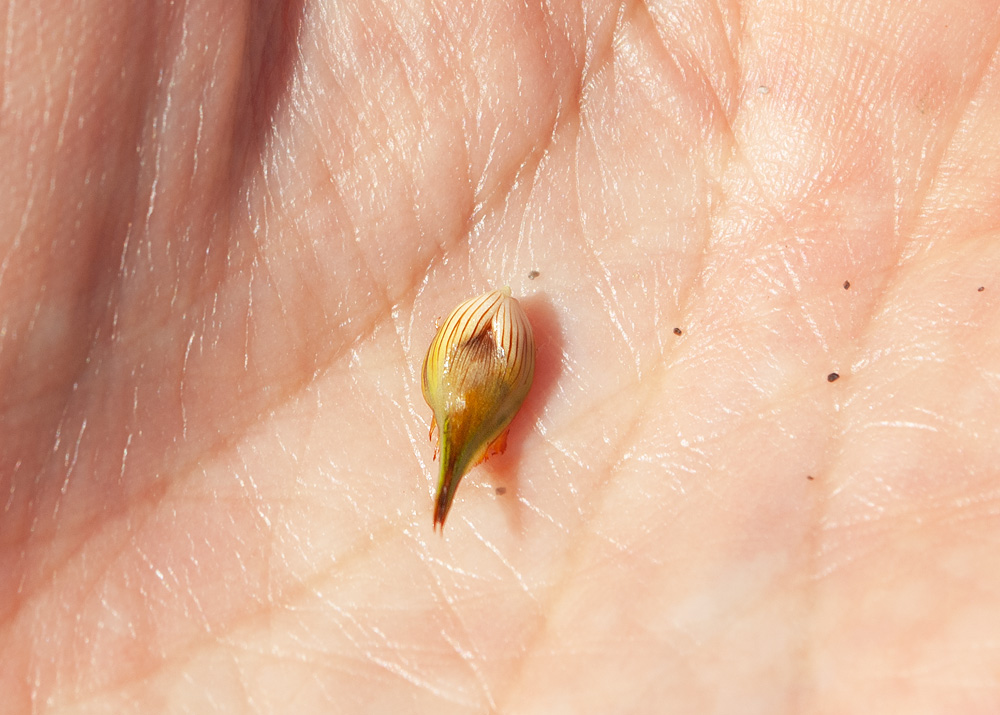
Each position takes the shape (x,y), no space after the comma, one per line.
(506,291)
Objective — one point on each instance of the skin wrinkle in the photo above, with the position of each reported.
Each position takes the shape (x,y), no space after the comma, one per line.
(218,446)
(498,195)
(805,657)
(947,135)
(445,595)
(526,171)
(287,598)
(96,262)
(879,306)
(658,24)
(557,591)
(94,347)
(528,163)
(955,123)
(820,573)
(264,410)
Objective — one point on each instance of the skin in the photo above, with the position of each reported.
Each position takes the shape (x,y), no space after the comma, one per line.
(228,231)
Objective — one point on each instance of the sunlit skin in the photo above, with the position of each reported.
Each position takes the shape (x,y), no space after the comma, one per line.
(227,230)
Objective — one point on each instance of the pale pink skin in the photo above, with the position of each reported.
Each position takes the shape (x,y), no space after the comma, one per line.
(217,484)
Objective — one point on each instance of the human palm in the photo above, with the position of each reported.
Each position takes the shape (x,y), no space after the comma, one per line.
(228,233)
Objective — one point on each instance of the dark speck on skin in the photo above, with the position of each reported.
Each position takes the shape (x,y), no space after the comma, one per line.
(847,284)
(677,331)
(501,490)
(832,377)
(982,288)
(810,477)
(533,275)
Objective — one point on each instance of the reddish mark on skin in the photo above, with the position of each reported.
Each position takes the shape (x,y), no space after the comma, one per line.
(501,491)
(810,477)
(678,331)
(981,288)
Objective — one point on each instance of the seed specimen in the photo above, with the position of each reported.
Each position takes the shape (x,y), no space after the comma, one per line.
(477,372)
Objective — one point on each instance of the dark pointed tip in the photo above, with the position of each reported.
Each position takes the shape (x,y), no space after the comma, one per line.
(440,512)
(446,491)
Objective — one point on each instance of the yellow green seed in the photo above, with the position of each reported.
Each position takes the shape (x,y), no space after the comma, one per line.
(476,374)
